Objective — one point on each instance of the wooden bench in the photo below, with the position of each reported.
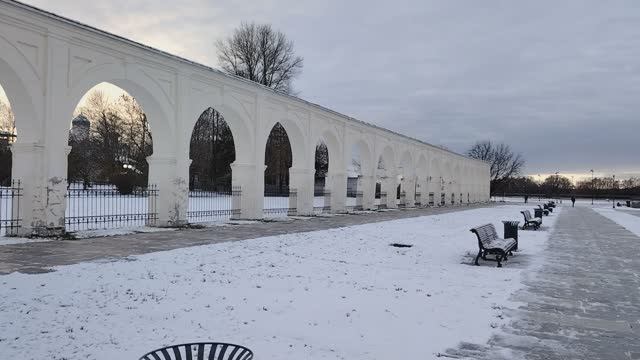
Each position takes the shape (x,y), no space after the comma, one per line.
(489,243)
(529,221)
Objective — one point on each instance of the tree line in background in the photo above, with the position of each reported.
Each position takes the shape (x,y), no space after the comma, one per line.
(558,185)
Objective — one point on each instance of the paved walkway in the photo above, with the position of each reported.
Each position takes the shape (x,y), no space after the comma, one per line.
(584,303)
(39,257)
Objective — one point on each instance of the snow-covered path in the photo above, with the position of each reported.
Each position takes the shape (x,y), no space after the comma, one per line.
(583,303)
(331,294)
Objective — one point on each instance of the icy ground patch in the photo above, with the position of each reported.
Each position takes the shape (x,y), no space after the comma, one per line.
(333,294)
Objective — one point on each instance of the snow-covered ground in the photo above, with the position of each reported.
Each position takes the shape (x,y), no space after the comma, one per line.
(623,217)
(333,294)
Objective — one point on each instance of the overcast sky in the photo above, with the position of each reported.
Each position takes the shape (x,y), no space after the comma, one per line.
(557,80)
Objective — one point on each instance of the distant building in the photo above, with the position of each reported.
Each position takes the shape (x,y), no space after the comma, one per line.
(80,128)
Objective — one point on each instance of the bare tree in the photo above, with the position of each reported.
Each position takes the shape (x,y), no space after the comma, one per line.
(212,151)
(7,137)
(7,123)
(322,160)
(504,163)
(259,53)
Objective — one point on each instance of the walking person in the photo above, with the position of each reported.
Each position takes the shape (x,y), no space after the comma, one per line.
(526,199)
(573,201)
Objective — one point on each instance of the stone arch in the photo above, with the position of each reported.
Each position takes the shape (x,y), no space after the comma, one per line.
(124,165)
(406,164)
(361,148)
(219,124)
(387,158)
(334,148)
(242,135)
(297,140)
(18,81)
(141,87)
(386,174)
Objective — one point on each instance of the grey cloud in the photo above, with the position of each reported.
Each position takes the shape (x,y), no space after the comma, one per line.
(558,80)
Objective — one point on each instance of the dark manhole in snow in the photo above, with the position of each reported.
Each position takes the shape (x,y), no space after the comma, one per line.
(398,245)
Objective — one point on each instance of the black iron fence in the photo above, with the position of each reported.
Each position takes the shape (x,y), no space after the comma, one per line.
(212,206)
(103,206)
(10,196)
(383,200)
(354,202)
(321,201)
(402,200)
(279,202)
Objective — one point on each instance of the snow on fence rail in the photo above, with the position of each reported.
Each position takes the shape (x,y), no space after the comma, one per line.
(103,206)
(10,221)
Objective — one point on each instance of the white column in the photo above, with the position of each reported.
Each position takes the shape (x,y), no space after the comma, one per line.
(250,182)
(409,188)
(367,185)
(27,168)
(172,191)
(338,183)
(303,182)
(390,186)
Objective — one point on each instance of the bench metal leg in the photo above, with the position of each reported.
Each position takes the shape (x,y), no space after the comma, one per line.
(477,257)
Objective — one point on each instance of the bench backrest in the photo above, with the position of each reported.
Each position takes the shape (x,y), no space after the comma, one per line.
(200,351)
(486,234)
(527,215)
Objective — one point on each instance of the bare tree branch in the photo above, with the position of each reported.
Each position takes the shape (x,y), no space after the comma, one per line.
(261,54)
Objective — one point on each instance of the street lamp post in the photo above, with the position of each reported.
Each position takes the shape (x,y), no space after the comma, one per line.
(614,189)
(592,194)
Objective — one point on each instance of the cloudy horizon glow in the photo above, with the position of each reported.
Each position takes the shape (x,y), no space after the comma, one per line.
(558,81)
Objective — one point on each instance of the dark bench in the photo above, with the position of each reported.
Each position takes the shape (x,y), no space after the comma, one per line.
(489,243)
(545,209)
(200,351)
(530,221)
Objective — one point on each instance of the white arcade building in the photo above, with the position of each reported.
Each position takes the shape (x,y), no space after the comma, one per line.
(47,64)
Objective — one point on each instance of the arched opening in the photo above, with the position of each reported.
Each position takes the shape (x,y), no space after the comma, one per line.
(279,200)
(212,151)
(381,193)
(8,136)
(321,191)
(9,203)
(107,170)
(360,184)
